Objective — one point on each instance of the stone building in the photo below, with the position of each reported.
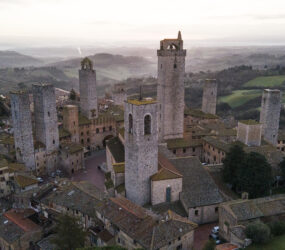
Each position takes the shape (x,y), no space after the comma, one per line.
(270,114)
(46,127)
(119,94)
(23,133)
(141,148)
(87,88)
(170,88)
(235,215)
(71,157)
(71,122)
(249,132)
(209,96)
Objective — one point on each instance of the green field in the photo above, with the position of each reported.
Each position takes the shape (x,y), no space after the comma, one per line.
(277,243)
(266,81)
(240,97)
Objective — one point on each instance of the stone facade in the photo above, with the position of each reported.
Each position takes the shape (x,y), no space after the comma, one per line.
(46,127)
(88,92)
(170,88)
(270,114)
(141,149)
(249,133)
(158,190)
(204,214)
(23,133)
(70,121)
(212,154)
(210,96)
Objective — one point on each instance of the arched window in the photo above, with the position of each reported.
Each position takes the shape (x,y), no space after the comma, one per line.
(130,124)
(147,125)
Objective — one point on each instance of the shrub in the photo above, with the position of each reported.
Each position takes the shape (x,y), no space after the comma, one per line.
(258,232)
(210,245)
(277,227)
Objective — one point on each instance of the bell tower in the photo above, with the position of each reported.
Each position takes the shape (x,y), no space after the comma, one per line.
(170,88)
(140,148)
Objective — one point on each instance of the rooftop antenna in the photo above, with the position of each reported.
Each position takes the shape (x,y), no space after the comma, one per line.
(140,98)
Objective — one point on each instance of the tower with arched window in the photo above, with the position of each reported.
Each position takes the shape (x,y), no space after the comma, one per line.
(170,88)
(141,148)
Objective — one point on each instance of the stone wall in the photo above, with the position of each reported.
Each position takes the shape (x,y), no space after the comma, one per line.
(22,125)
(209,101)
(70,121)
(212,155)
(205,214)
(88,93)
(249,134)
(46,127)
(270,114)
(158,190)
(170,88)
(141,152)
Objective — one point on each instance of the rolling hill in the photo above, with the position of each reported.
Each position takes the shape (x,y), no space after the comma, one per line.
(12,59)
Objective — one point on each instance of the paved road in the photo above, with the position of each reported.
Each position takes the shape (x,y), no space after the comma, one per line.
(91,172)
(201,235)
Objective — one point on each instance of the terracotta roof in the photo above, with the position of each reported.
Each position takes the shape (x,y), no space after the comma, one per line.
(166,163)
(226,246)
(105,235)
(63,133)
(71,148)
(25,181)
(164,174)
(83,120)
(199,114)
(217,143)
(9,231)
(182,143)
(20,218)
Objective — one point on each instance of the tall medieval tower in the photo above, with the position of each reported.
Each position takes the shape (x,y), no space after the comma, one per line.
(209,96)
(87,89)
(46,128)
(22,124)
(170,89)
(141,149)
(270,114)
(70,121)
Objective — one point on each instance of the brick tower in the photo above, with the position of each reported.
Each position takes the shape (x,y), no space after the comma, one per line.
(170,89)
(209,96)
(22,125)
(141,148)
(87,88)
(70,121)
(270,114)
(46,128)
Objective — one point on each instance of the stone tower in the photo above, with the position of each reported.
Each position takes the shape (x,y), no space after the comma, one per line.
(170,88)
(141,146)
(270,114)
(87,88)
(249,132)
(46,127)
(70,121)
(209,96)
(22,125)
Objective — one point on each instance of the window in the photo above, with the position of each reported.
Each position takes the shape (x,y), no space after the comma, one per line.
(196,212)
(175,66)
(184,150)
(104,129)
(88,140)
(110,128)
(174,151)
(193,149)
(130,124)
(97,130)
(179,247)
(53,141)
(87,132)
(147,125)
(216,209)
(82,141)
(74,123)
(81,133)
(48,114)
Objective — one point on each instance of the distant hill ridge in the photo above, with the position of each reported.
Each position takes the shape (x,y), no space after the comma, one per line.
(12,59)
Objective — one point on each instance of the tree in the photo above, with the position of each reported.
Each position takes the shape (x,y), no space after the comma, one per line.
(210,245)
(72,95)
(255,175)
(258,232)
(69,234)
(233,161)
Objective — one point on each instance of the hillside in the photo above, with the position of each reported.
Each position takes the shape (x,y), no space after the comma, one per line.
(11,59)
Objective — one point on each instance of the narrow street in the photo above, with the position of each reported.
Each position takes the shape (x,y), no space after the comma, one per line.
(91,172)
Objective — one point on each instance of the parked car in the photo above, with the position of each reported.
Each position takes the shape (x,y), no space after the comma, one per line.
(215,230)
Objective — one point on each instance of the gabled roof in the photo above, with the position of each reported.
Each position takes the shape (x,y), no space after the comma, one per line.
(25,181)
(182,143)
(117,149)
(198,188)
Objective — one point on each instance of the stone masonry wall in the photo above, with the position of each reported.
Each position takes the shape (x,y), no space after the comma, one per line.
(249,134)
(270,114)
(141,152)
(22,124)
(46,127)
(70,121)
(209,97)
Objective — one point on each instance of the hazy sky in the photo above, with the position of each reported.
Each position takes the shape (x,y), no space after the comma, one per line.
(89,21)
